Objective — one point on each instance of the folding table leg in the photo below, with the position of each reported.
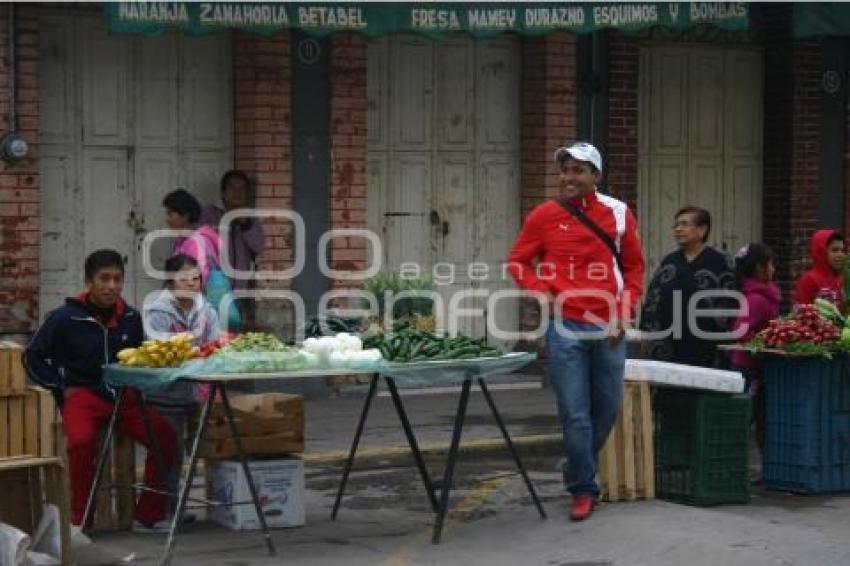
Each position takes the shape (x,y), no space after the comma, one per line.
(246,469)
(511,447)
(186,483)
(450,462)
(154,441)
(350,461)
(105,445)
(411,440)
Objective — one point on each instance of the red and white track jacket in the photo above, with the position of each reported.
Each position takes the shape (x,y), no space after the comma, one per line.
(556,253)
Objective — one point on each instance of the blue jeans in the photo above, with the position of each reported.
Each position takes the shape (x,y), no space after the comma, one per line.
(587,376)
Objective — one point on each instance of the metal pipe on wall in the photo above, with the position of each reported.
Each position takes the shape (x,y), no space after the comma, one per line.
(13,148)
(13,74)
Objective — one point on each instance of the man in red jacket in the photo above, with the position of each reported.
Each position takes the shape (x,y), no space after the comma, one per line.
(582,252)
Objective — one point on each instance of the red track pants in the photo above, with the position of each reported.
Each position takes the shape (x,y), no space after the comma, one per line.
(85,415)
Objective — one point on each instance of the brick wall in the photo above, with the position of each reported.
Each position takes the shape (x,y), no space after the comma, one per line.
(805,152)
(262,138)
(262,147)
(622,175)
(548,120)
(791,144)
(778,106)
(348,152)
(19,184)
(548,112)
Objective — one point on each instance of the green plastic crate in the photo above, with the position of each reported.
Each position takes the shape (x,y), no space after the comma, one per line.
(701,447)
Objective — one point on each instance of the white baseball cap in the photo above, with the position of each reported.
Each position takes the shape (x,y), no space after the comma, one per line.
(580,151)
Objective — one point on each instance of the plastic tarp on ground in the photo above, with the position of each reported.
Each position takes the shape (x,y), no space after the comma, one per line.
(438,372)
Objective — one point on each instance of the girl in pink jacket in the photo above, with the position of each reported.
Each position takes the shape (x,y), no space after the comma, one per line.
(754,268)
(182,212)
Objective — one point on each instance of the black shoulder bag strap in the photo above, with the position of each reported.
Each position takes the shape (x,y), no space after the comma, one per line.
(595,228)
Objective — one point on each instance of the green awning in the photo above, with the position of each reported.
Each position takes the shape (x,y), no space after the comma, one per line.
(814,19)
(430,19)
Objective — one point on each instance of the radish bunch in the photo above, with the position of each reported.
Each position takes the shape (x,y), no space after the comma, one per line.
(806,325)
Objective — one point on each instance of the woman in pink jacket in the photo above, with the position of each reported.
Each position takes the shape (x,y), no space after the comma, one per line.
(182,212)
(754,268)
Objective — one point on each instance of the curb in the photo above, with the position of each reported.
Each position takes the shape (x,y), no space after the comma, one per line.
(537,445)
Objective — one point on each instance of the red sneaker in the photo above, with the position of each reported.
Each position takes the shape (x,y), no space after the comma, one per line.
(582,507)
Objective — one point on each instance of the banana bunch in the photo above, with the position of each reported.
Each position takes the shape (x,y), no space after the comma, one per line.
(160,353)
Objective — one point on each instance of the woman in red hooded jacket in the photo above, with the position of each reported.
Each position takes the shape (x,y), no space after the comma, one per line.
(823,280)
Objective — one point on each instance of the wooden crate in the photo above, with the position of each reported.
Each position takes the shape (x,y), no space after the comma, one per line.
(13,378)
(31,426)
(26,486)
(28,424)
(115,501)
(50,432)
(268,424)
(627,461)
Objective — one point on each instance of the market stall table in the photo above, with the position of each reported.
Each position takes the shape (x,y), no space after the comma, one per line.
(421,373)
(408,374)
(122,377)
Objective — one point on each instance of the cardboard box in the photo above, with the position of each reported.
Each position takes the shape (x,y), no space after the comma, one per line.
(280,487)
(269,424)
(285,443)
(259,415)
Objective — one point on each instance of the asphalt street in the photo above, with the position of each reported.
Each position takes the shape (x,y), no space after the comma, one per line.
(386,520)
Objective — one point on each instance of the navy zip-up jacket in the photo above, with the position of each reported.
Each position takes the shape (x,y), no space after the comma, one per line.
(72,346)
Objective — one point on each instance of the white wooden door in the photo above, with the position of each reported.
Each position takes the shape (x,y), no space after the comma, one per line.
(124,121)
(443,161)
(700,143)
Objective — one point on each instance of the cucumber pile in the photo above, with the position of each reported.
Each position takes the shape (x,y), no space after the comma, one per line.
(407,344)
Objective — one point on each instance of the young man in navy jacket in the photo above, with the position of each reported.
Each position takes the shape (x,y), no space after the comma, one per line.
(67,355)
